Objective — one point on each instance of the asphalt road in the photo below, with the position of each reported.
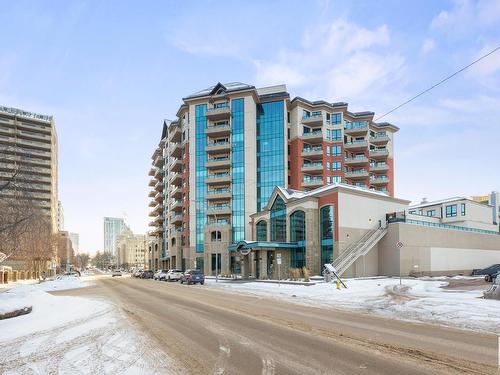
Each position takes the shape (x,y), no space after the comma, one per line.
(210,331)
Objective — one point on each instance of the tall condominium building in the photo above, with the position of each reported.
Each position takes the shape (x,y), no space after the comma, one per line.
(60,216)
(28,158)
(231,144)
(113,226)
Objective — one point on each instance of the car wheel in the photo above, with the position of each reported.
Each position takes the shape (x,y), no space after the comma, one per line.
(202,283)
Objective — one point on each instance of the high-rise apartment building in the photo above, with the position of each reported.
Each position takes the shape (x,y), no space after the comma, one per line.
(113,226)
(28,158)
(231,144)
(75,241)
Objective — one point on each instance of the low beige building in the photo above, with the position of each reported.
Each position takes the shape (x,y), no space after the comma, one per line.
(131,250)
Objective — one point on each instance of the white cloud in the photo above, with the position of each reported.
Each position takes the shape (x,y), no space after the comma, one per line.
(336,61)
(428,46)
(490,65)
(467,14)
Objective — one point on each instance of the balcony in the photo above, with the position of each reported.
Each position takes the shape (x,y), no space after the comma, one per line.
(33,144)
(176,219)
(312,167)
(152,171)
(175,134)
(152,182)
(218,162)
(152,203)
(218,147)
(35,135)
(312,182)
(357,160)
(356,145)
(176,205)
(379,139)
(356,128)
(312,152)
(379,167)
(175,149)
(159,186)
(176,192)
(316,135)
(313,120)
(158,219)
(220,112)
(159,161)
(217,178)
(152,193)
(159,197)
(221,224)
(220,209)
(159,173)
(157,210)
(220,193)
(215,130)
(175,166)
(175,178)
(382,180)
(357,174)
(378,154)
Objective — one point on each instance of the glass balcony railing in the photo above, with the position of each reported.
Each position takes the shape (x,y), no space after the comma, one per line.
(355,125)
(219,207)
(218,191)
(215,144)
(356,142)
(312,115)
(212,160)
(218,175)
(358,171)
(312,179)
(312,149)
(218,107)
(318,164)
(218,126)
(402,219)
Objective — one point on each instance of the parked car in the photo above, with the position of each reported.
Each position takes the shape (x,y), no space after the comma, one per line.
(492,277)
(148,274)
(157,274)
(138,273)
(163,275)
(488,272)
(173,275)
(193,277)
(116,273)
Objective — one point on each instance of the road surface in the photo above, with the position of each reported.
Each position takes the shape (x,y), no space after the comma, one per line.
(210,331)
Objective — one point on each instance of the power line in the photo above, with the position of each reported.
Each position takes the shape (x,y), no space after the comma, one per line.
(439,83)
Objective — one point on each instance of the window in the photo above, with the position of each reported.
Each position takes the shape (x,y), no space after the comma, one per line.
(336,151)
(278,220)
(326,234)
(215,236)
(328,179)
(328,150)
(298,226)
(262,230)
(431,213)
(328,166)
(451,210)
(336,179)
(462,209)
(336,135)
(336,118)
(336,166)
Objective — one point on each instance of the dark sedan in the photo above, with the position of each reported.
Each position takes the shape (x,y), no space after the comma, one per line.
(148,274)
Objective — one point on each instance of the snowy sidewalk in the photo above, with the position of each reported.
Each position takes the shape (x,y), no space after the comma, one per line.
(71,335)
(419,300)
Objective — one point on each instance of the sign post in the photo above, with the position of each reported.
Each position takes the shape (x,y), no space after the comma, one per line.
(399,246)
(278,261)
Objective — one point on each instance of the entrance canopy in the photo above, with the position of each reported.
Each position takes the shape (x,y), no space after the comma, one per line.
(258,245)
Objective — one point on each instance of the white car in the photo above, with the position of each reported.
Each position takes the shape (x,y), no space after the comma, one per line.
(162,275)
(173,275)
(157,274)
(116,273)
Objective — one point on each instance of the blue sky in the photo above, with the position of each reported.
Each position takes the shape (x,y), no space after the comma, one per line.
(111,71)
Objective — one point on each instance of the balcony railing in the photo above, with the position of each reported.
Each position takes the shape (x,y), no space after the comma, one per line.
(215,144)
(218,126)
(309,150)
(312,116)
(218,191)
(218,107)
(218,175)
(356,125)
(313,179)
(317,164)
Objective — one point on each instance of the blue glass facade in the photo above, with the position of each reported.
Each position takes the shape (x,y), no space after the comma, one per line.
(298,234)
(201,174)
(238,169)
(278,220)
(326,234)
(270,150)
(262,230)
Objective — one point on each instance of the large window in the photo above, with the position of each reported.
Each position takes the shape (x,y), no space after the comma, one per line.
(262,230)
(278,220)
(336,151)
(462,209)
(238,169)
(298,226)
(270,150)
(451,210)
(201,173)
(326,234)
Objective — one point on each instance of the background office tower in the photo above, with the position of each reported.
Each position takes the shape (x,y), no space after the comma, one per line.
(60,216)
(218,162)
(28,151)
(113,226)
(75,241)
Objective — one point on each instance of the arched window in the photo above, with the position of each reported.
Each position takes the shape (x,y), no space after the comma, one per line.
(262,230)
(173,242)
(326,234)
(278,220)
(215,236)
(298,226)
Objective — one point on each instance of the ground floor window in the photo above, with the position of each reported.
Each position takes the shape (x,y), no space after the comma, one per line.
(216,262)
(326,252)
(298,257)
(200,263)
(235,265)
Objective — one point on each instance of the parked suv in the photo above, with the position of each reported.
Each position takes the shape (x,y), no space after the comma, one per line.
(158,273)
(193,277)
(148,274)
(488,272)
(173,275)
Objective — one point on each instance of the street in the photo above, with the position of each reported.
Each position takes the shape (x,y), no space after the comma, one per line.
(209,331)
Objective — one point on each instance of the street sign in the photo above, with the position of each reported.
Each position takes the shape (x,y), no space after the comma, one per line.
(278,258)
(399,245)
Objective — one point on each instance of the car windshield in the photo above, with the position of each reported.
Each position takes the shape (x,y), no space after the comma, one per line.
(197,273)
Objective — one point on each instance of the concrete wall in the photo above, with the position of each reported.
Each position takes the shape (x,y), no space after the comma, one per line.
(435,250)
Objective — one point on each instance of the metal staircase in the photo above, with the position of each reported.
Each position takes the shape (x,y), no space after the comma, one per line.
(358,249)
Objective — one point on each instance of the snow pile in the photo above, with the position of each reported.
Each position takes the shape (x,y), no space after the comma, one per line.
(417,300)
(72,335)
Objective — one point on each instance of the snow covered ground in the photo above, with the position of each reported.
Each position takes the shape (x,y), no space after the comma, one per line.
(423,300)
(72,335)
